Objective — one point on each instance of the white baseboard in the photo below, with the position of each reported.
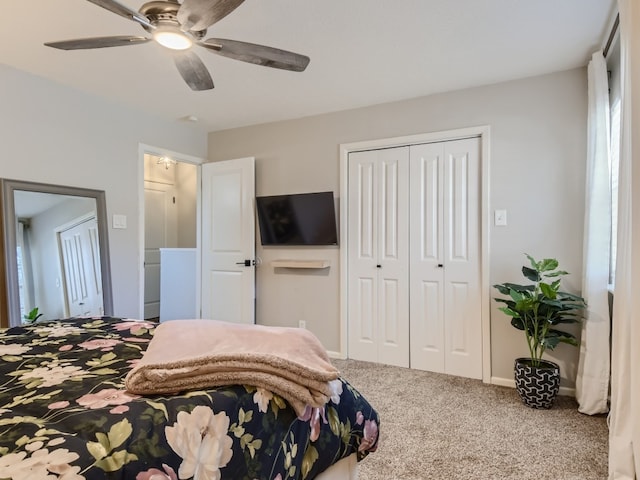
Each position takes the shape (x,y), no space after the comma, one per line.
(336,355)
(502,382)
(510,382)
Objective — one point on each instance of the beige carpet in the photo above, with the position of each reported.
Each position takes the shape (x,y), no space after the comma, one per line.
(437,426)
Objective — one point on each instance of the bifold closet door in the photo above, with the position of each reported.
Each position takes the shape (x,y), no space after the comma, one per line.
(378,206)
(445,306)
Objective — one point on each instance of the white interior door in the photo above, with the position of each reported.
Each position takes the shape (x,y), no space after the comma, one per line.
(427,258)
(378,256)
(446,324)
(160,231)
(363,240)
(81,266)
(228,241)
(463,318)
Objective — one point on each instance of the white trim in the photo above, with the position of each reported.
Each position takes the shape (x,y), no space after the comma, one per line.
(443,136)
(336,355)
(511,383)
(85,217)
(482,131)
(179,157)
(343,280)
(485,228)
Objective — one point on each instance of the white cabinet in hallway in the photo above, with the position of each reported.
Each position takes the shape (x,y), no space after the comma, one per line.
(178,288)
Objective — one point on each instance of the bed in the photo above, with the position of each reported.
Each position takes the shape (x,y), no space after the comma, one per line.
(65,413)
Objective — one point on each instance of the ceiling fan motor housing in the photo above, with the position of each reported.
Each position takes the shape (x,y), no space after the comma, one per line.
(165,14)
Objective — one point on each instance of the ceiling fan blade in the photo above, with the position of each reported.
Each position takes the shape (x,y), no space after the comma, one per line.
(97,42)
(257,54)
(200,14)
(193,70)
(123,11)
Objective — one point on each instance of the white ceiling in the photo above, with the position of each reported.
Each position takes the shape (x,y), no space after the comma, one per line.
(29,204)
(362,52)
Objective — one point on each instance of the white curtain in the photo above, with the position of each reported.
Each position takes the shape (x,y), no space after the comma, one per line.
(592,382)
(624,419)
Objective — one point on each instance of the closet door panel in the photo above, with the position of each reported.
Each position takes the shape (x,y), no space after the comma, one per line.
(393,256)
(365,320)
(427,334)
(414,245)
(365,211)
(389,208)
(457,205)
(427,257)
(458,319)
(463,324)
(378,206)
(363,247)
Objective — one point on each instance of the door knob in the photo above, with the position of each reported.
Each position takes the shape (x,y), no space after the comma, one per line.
(246,263)
(440,265)
(378,266)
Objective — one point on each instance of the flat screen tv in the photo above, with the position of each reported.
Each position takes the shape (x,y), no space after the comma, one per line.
(298,219)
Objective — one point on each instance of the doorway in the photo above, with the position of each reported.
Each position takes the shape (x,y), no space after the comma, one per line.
(231,173)
(169,194)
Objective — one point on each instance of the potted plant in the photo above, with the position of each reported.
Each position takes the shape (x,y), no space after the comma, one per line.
(32,316)
(537,309)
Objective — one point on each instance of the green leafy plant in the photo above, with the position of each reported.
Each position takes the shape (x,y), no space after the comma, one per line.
(32,316)
(538,307)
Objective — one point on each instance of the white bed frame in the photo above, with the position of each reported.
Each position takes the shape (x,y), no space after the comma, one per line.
(345,469)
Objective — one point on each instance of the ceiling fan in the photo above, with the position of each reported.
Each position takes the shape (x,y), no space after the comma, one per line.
(180,26)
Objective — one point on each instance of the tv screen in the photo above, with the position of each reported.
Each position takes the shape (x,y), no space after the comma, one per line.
(299,219)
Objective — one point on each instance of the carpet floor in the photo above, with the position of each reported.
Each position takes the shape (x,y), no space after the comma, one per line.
(436,426)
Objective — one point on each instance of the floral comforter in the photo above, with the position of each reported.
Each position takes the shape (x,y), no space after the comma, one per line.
(64,414)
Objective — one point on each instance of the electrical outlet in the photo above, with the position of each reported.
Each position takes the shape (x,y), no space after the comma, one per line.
(302,324)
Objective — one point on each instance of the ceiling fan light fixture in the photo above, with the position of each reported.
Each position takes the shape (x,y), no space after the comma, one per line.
(172,38)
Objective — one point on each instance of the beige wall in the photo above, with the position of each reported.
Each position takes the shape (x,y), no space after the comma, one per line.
(54,134)
(184,178)
(537,151)
(186,192)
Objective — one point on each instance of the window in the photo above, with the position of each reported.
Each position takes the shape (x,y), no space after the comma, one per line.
(615,107)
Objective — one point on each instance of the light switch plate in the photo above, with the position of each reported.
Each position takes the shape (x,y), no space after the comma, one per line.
(120,221)
(500,218)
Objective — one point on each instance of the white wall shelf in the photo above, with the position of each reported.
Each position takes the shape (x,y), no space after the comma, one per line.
(300,263)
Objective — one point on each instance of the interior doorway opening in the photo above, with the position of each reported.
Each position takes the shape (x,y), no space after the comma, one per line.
(170,218)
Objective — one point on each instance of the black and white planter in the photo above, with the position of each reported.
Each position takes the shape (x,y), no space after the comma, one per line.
(537,386)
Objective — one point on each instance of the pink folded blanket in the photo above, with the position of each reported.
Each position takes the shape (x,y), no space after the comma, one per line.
(193,354)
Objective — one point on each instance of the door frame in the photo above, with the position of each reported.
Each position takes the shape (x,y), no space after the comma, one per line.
(483,132)
(143,150)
